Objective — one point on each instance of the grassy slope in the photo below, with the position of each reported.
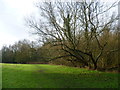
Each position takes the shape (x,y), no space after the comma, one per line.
(53,76)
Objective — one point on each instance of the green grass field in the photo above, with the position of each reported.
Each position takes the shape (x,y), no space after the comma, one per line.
(55,76)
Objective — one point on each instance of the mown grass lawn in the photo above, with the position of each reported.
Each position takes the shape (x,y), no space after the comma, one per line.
(54,76)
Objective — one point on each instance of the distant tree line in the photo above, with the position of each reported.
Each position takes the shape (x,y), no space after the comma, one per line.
(25,51)
(108,59)
(22,52)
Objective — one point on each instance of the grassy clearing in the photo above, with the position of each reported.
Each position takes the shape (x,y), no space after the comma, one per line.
(54,76)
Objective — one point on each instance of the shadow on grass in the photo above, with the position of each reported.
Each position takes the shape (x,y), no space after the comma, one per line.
(13,78)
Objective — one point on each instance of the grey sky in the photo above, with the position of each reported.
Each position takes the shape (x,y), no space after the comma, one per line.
(12,14)
(12,25)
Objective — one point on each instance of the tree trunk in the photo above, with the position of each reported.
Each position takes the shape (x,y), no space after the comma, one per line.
(94,62)
(95,66)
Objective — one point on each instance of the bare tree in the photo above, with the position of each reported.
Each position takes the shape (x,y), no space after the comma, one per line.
(74,26)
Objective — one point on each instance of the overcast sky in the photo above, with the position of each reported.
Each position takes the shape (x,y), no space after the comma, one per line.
(12,24)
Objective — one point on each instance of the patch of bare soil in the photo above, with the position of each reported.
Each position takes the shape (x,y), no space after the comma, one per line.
(42,71)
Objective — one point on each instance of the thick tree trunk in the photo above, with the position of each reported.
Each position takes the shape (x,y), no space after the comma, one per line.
(94,62)
(95,66)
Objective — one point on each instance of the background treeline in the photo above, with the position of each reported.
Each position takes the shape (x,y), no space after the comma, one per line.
(30,52)
(107,61)
(22,51)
